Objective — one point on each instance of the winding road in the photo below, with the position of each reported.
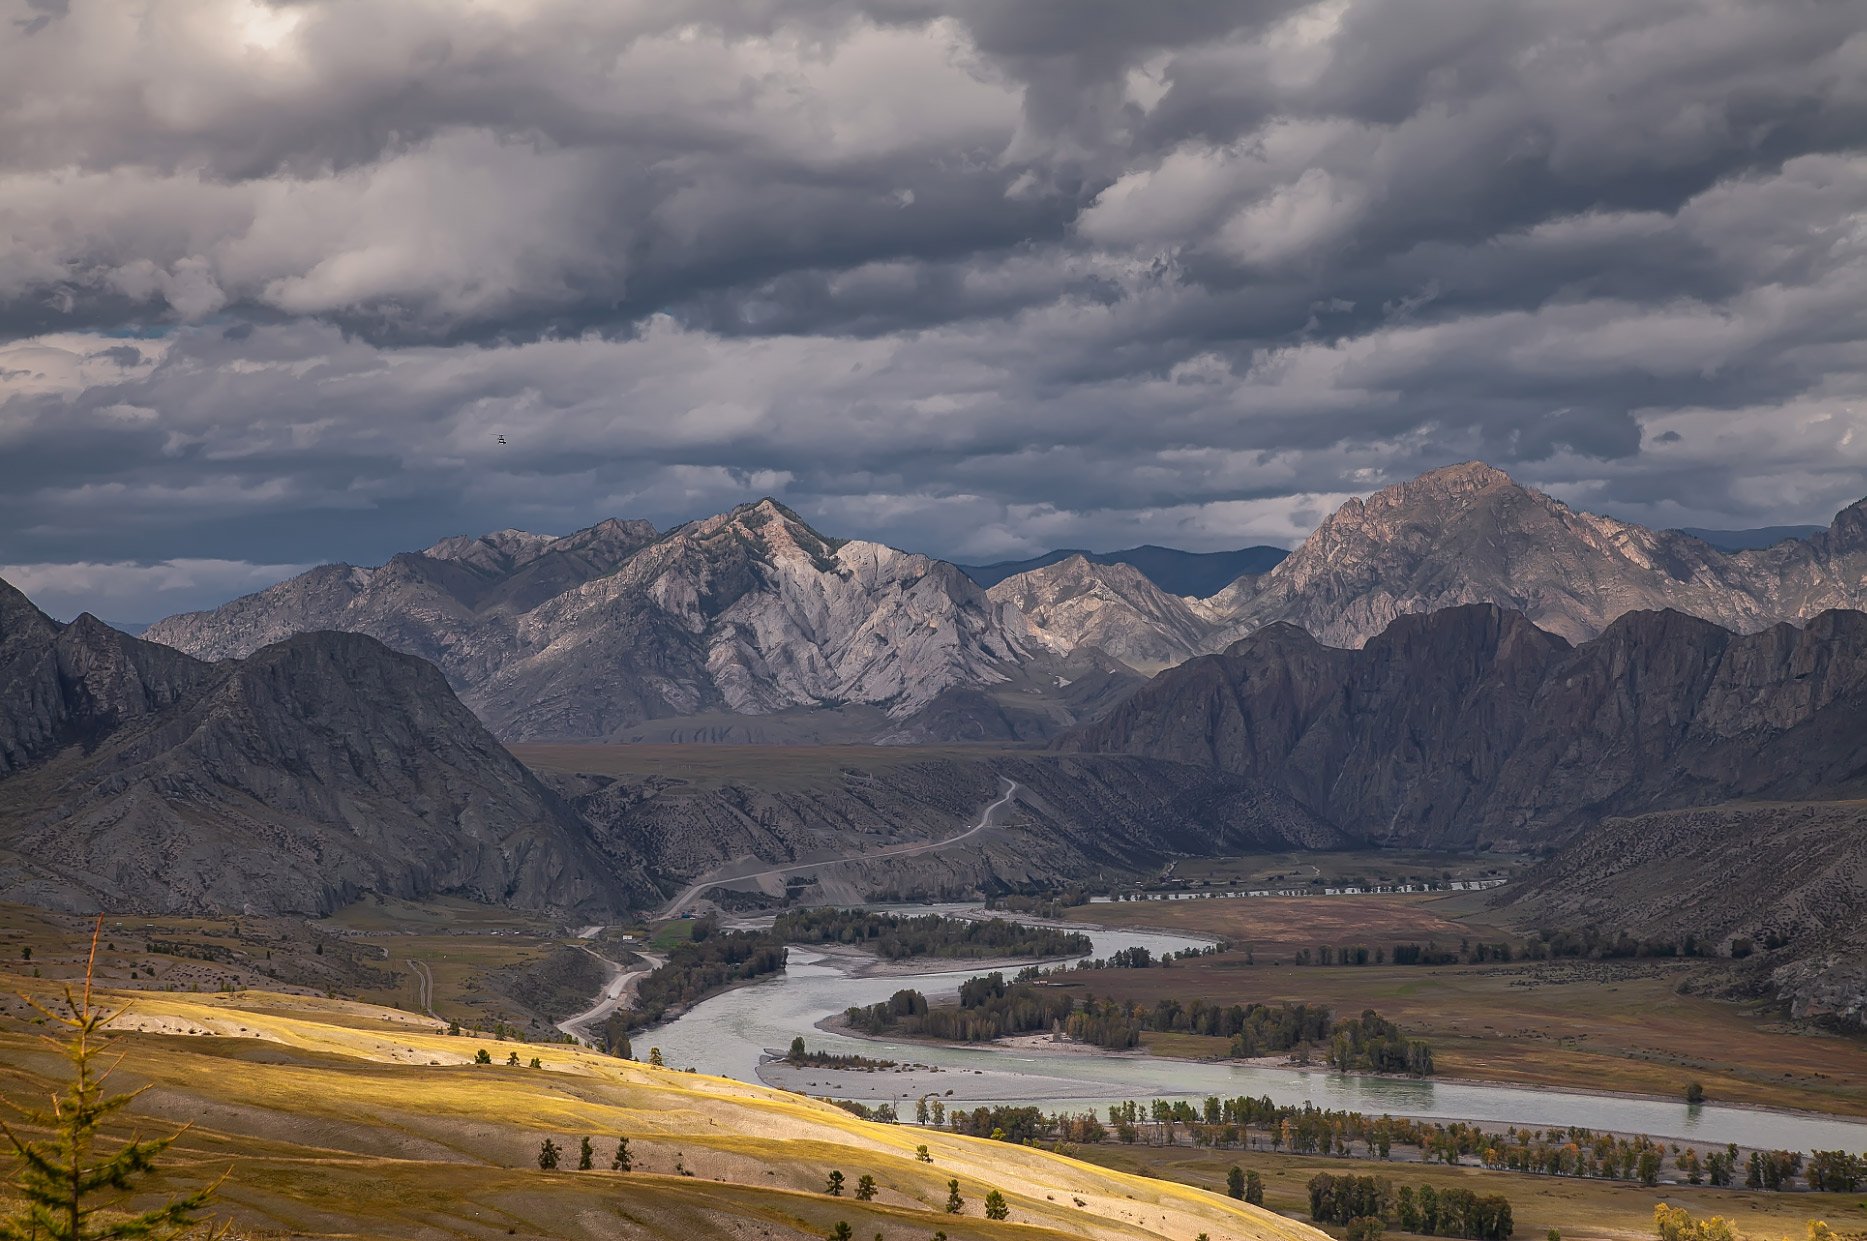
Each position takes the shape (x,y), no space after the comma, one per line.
(926,846)
(616,992)
(424,981)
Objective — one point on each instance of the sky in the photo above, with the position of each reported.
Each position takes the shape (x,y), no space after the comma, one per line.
(970,277)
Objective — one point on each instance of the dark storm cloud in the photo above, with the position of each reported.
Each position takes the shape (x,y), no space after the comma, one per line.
(964,275)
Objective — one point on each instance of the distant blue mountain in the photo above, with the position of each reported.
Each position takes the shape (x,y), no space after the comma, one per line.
(1749,540)
(1178,573)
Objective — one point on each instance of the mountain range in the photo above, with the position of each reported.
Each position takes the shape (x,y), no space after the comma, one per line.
(623,632)
(325,766)
(751,613)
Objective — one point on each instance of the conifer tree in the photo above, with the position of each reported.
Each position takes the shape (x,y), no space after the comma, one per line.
(954,1203)
(586,1156)
(548,1155)
(835,1187)
(622,1162)
(71,1191)
(1235,1182)
(865,1188)
(995,1207)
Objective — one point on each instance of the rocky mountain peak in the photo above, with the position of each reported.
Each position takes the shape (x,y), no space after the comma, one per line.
(1115,608)
(500,550)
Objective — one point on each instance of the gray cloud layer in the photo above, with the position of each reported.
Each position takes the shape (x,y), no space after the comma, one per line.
(967,276)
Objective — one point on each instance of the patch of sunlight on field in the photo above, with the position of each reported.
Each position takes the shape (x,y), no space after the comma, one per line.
(403,1134)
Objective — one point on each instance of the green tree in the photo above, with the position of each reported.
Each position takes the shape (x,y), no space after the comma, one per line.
(841,1232)
(482,1056)
(1235,1182)
(920,1153)
(654,1058)
(954,1203)
(796,1054)
(512,1059)
(622,1162)
(68,1189)
(1695,1094)
(865,1188)
(835,1187)
(586,1156)
(995,1207)
(453,1028)
(548,1155)
(1254,1189)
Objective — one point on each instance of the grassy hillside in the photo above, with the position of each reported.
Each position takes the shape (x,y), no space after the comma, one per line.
(335,1118)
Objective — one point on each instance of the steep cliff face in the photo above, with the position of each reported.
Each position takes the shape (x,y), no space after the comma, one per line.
(293,781)
(1473,726)
(1469,534)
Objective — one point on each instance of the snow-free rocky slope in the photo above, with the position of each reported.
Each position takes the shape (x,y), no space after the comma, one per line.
(1472,727)
(1469,534)
(133,777)
(750,613)
(1463,534)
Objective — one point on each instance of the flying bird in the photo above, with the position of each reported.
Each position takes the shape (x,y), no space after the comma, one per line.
(502,439)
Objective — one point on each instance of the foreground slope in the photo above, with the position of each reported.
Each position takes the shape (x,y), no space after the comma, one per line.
(1471,726)
(339,1119)
(315,770)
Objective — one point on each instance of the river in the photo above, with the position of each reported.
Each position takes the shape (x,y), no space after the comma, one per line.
(730,1034)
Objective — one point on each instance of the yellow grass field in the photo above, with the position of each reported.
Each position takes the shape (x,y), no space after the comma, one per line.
(339,1119)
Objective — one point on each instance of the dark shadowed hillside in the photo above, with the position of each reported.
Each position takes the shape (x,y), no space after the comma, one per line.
(133,777)
(1785,884)
(1471,726)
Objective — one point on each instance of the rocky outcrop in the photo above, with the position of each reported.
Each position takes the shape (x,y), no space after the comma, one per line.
(319,768)
(1469,534)
(1471,726)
